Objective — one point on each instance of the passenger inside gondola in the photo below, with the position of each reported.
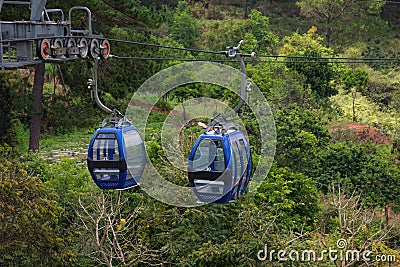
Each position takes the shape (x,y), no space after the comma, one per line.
(209,156)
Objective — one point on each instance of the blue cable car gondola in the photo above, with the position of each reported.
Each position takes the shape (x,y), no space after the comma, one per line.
(220,166)
(220,161)
(116,154)
(115,157)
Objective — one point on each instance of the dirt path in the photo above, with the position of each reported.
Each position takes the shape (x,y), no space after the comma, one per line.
(358,132)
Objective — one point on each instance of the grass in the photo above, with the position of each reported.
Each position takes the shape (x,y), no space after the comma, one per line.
(72,140)
(370,113)
(72,144)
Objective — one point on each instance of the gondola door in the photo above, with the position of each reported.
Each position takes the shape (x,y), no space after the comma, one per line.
(246,171)
(237,167)
(135,156)
(105,163)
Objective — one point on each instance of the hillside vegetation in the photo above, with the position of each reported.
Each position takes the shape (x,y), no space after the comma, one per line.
(322,65)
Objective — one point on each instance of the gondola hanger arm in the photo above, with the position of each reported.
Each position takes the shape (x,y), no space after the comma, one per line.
(220,118)
(92,84)
(116,117)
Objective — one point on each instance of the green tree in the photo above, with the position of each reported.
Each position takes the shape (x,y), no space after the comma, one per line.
(255,31)
(15,103)
(382,89)
(259,26)
(281,86)
(300,135)
(292,197)
(308,59)
(7,127)
(330,14)
(355,80)
(184,27)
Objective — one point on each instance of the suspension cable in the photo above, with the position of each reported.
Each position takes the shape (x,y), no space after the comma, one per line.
(169,47)
(271,58)
(329,58)
(255,61)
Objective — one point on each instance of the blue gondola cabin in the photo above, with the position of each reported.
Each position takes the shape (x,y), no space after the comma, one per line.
(219,166)
(116,157)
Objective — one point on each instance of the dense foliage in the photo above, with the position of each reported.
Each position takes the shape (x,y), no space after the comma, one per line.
(29,230)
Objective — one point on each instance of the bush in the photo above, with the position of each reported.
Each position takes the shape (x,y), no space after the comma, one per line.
(319,73)
(292,197)
(300,134)
(360,168)
(29,232)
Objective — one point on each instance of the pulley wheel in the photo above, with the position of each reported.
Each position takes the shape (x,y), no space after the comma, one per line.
(94,50)
(44,49)
(105,49)
(83,46)
(55,44)
(70,44)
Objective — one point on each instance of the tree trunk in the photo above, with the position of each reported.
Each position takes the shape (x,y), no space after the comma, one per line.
(265,8)
(387,207)
(328,35)
(354,94)
(36,118)
(245,7)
